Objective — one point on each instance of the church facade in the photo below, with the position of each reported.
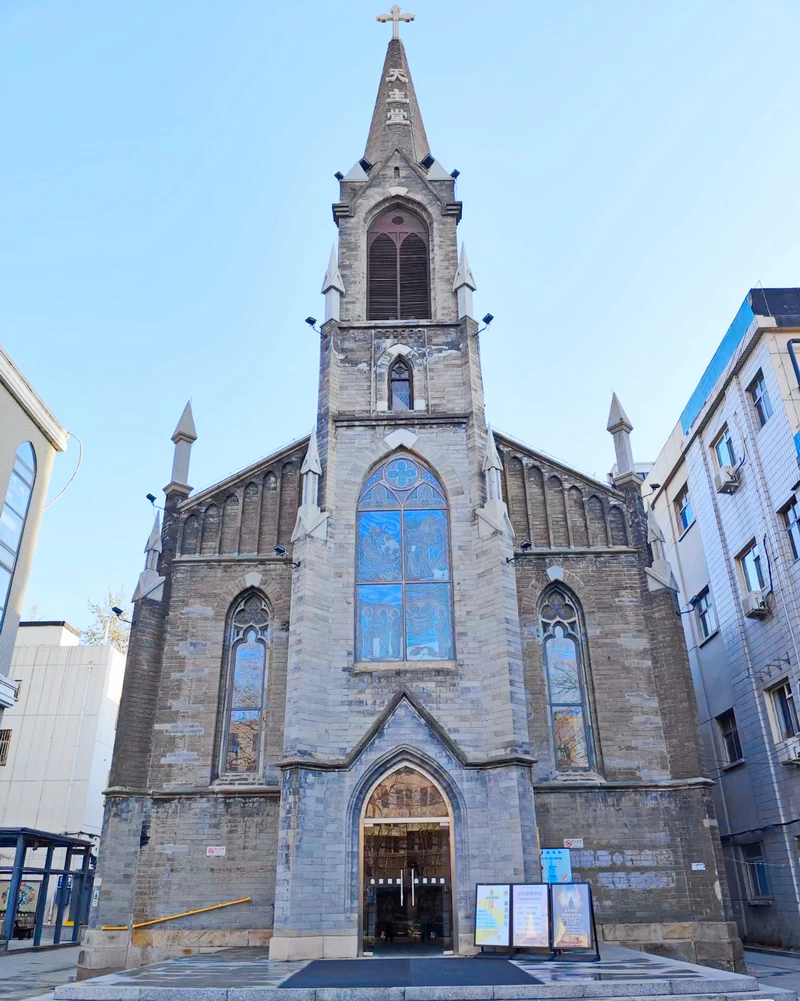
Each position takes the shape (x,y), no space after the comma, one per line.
(404,654)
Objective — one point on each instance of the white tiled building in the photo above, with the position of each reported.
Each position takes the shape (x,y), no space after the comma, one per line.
(725,490)
(60,734)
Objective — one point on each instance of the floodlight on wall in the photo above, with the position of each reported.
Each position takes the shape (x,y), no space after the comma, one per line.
(428,162)
(366,166)
(455,173)
(339,175)
(152,499)
(525,545)
(280,551)
(486,321)
(119,613)
(312,322)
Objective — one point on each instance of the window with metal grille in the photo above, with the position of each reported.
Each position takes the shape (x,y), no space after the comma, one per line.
(401,389)
(791,519)
(5,743)
(751,569)
(683,506)
(398,283)
(760,397)
(729,732)
(784,711)
(723,448)
(706,616)
(756,869)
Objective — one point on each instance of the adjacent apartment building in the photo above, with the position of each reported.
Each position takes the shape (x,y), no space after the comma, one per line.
(30,436)
(725,492)
(58,738)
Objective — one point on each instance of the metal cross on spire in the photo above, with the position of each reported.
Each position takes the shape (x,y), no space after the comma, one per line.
(395,17)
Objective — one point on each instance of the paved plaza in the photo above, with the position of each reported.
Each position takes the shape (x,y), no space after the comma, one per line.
(248,975)
(32,974)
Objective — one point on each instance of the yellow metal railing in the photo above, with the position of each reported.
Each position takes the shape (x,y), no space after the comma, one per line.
(172,917)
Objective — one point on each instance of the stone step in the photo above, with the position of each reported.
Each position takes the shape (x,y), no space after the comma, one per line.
(746,989)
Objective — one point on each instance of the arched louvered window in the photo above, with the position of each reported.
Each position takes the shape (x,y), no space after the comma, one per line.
(401,386)
(563,646)
(398,272)
(404,589)
(246,685)
(13,516)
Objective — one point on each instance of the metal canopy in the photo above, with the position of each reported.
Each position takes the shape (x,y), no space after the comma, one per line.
(25,839)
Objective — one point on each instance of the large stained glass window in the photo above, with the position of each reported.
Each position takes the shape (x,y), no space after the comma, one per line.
(13,514)
(247,686)
(403,566)
(563,661)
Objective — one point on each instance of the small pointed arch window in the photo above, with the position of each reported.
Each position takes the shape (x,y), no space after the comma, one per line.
(404,584)
(398,272)
(245,686)
(564,655)
(13,516)
(401,385)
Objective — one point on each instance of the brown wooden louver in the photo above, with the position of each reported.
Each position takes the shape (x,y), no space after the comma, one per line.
(397,270)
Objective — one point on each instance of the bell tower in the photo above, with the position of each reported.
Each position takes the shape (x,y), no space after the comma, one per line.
(399,341)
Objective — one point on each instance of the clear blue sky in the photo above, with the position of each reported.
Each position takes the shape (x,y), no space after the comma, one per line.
(629,171)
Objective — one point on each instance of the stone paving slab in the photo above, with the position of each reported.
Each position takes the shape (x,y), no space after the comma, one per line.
(503,993)
(249,975)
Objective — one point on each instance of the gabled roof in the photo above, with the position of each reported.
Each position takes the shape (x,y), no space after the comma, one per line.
(506,441)
(246,474)
(396,120)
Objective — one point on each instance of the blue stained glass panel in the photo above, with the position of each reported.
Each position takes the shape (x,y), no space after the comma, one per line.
(402,473)
(379,554)
(426,545)
(379,496)
(380,622)
(429,629)
(425,496)
(248,674)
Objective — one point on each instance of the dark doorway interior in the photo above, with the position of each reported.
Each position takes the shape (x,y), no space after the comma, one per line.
(407,905)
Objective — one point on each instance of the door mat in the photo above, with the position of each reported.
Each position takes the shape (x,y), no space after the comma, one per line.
(407,973)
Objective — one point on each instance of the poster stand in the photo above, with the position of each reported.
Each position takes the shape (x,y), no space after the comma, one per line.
(575,954)
(504,950)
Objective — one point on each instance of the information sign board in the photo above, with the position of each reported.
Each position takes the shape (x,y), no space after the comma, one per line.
(531,917)
(556,865)
(572,916)
(492,914)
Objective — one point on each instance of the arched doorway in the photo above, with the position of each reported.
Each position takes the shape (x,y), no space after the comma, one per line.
(407,866)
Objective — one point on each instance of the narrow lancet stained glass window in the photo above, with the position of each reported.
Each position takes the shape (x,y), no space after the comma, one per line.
(563,661)
(401,396)
(247,686)
(405,591)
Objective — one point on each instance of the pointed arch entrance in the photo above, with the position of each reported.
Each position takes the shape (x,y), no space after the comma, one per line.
(406,865)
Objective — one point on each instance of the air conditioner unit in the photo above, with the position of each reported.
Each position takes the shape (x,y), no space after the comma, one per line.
(726,480)
(755,605)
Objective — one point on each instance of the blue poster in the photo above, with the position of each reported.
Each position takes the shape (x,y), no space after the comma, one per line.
(556,865)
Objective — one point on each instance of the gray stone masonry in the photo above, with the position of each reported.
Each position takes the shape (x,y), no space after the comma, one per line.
(477,725)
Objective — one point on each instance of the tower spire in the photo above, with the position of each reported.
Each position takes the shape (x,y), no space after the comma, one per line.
(396,120)
(620,427)
(183,436)
(151,583)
